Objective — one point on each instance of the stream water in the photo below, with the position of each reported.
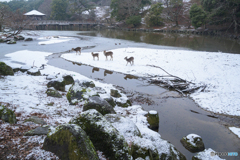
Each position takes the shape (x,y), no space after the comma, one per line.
(179,116)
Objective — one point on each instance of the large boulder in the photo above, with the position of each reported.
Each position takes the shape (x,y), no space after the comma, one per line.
(79,92)
(111,101)
(60,86)
(153,119)
(99,104)
(104,136)
(28,39)
(70,142)
(53,93)
(144,152)
(193,143)
(118,121)
(7,115)
(5,69)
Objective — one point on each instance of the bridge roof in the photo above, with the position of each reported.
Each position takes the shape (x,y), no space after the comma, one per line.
(34,13)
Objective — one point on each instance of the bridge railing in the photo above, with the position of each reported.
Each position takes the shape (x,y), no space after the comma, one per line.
(55,22)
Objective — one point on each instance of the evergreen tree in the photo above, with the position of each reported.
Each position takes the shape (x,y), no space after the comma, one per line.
(197,15)
(153,18)
(59,10)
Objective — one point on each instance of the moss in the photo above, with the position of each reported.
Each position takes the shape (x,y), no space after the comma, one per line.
(153,120)
(124,105)
(5,69)
(69,145)
(7,115)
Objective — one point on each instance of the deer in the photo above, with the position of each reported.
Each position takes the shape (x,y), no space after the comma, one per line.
(95,55)
(78,49)
(109,53)
(129,60)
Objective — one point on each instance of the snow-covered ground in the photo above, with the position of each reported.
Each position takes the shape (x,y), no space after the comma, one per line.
(219,71)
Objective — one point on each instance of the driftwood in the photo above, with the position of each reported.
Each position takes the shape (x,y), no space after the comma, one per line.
(176,83)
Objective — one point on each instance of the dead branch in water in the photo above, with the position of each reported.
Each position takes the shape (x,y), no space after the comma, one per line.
(176,83)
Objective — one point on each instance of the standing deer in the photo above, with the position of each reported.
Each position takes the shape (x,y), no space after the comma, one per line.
(130,60)
(109,53)
(78,49)
(95,55)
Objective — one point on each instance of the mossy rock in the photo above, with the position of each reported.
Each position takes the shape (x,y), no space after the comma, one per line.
(17,38)
(104,136)
(144,152)
(28,39)
(37,131)
(99,104)
(60,86)
(193,143)
(153,120)
(68,79)
(77,93)
(124,104)
(70,142)
(5,69)
(111,101)
(34,72)
(53,93)
(88,84)
(175,154)
(11,42)
(7,115)
(36,120)
(115,93)
(118,121)
(2,40)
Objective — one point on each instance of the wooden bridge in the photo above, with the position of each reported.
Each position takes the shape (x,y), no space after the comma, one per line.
(60,25)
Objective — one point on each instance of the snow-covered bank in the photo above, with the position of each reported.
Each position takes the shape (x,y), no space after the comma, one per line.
(26,96)
(219,71)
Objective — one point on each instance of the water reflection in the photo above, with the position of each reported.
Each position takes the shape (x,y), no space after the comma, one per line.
(195,42)
(107,72)
(128,76)
(95,69)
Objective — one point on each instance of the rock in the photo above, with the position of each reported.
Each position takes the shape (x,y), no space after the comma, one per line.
(111,101)
(36,120)
(70,142)
(25,68)
(78,92)
(11,42)
(206,154)
(144,152)
(122,102)
(88,84)
(193,143)
(17,38)
(118,121)
(53,93)
(2,40)
(34,72)
(60,86)
(103,135)
(68,79)
(114,93)
(5,69)
(99,104)
(28,39)
(37,131)
(153,120)
(7,115)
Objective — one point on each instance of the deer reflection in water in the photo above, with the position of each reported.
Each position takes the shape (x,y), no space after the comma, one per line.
(107,72)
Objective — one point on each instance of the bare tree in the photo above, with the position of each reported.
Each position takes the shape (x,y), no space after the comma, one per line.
(17,22)
(4,15)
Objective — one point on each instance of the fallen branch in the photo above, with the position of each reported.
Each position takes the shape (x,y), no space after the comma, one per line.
(176,83)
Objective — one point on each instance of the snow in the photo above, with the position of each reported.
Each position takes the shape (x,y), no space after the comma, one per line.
(219,71)
(34,12)
(235,131)
(52,40)
(191,137)
(206,155)
(152,112)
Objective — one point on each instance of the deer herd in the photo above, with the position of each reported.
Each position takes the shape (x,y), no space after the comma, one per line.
(106,54)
